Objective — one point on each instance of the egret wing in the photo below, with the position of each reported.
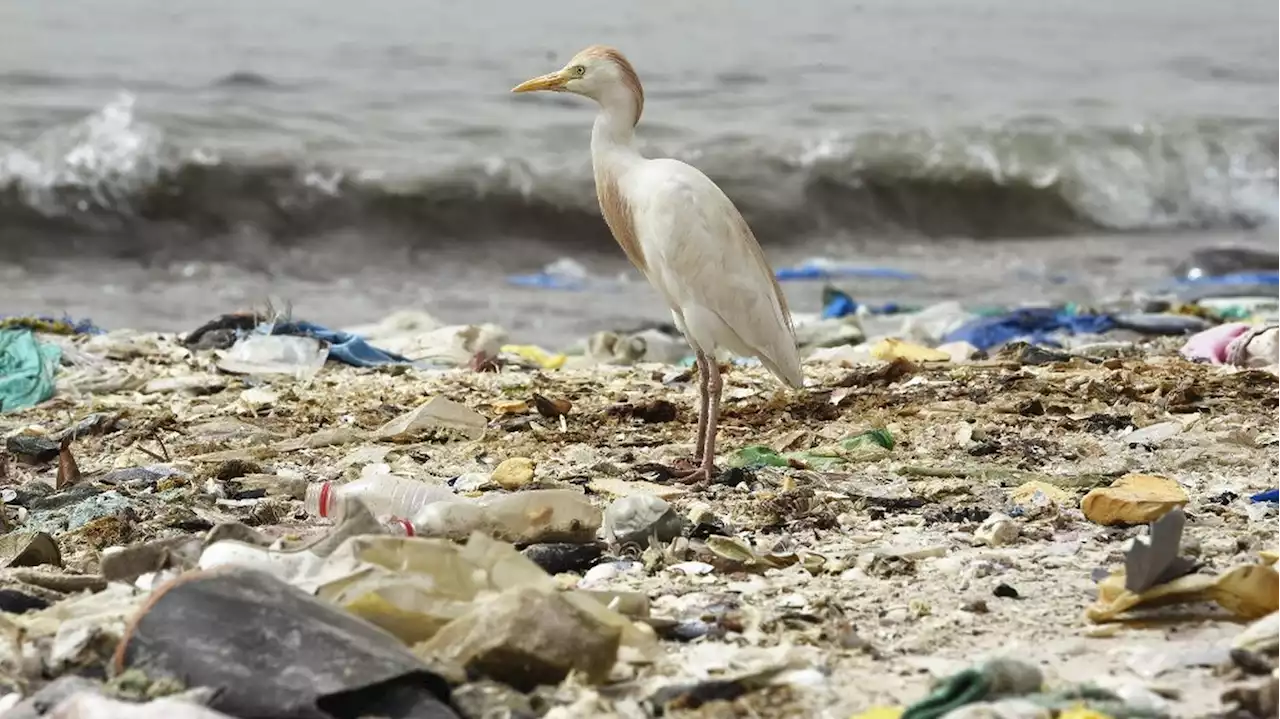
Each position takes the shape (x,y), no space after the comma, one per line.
(702,256)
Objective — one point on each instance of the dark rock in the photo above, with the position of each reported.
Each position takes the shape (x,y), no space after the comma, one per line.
(96,423)
(133,477)
(1005,591)
(339,666)
(555,558)
(35,498)
(32,449)
(14,602)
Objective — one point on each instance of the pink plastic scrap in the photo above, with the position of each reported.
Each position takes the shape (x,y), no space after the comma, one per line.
(1212,343)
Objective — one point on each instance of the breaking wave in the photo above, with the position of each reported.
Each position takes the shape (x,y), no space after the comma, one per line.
(111,183)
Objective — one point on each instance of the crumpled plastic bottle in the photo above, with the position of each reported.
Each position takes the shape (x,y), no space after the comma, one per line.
(384,494)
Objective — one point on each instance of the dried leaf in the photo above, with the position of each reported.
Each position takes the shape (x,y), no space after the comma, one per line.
(68,471)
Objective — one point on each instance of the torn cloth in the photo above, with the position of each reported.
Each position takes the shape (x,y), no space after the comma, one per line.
(27,369)
(1035,324)
(343,346)
(993,680)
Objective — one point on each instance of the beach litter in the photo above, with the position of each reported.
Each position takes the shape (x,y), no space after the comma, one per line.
(490,542)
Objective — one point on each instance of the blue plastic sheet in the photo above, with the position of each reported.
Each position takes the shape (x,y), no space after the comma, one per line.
(823,270)
(547,281)
(1271,495)
(807,271)
(343,346)
(27,369)
(1034,324)
(565,274)
(838,304)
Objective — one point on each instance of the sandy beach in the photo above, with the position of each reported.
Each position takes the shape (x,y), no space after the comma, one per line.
(876,570)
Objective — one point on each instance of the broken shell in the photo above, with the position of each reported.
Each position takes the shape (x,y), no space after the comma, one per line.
(813,563)
(551,408)
(997,530)
(733,549)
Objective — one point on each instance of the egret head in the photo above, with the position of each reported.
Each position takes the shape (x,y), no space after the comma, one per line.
(598,72)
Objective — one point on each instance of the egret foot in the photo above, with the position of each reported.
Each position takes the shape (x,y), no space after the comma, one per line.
(703,474)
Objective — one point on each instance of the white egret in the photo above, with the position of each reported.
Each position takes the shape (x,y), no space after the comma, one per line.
(685,236)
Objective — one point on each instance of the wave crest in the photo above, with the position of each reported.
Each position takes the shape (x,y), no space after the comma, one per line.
(114,177)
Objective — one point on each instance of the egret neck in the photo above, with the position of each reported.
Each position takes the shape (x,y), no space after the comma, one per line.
(613,150)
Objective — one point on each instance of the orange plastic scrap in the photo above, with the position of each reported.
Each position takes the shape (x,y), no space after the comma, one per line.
(1249,591)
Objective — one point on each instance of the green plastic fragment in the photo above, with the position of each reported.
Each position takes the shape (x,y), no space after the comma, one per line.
(756,456)
(880,437)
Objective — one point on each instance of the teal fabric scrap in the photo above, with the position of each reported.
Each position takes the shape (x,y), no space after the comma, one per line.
(994,679)
(27,369)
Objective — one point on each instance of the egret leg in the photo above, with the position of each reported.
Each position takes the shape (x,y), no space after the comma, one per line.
(704,401)
(707,470)
(714,387)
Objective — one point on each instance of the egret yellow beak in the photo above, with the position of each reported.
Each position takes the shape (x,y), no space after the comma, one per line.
(551,81)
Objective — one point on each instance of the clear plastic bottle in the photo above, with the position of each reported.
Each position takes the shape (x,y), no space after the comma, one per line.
(383,494)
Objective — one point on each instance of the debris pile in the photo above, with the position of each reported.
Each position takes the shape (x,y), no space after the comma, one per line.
(268,518)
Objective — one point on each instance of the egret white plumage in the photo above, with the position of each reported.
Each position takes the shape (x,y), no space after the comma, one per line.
(685,236)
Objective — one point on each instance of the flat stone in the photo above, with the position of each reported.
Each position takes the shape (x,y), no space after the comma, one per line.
(527,637)
(100,506)
(29,549)
(126,564)
(71,509)
(513,474)
(41,500)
